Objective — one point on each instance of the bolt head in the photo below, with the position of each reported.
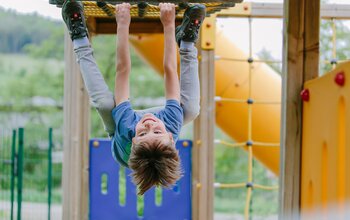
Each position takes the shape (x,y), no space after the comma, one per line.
(96,144)
(185,144)
(305,95)
(340,79)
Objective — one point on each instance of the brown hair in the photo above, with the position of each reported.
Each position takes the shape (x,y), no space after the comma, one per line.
(154,163)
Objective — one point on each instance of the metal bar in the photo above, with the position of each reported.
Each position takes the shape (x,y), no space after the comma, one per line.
(20,171)
(49,175)
(13,172)
(59,3)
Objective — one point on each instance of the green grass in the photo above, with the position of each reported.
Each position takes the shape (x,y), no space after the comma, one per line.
(34,195)
(10,63)
(4,214)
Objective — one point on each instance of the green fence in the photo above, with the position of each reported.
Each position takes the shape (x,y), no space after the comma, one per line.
(30,181)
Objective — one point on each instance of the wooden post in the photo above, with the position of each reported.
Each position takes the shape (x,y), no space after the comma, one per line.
(203,150)
(300,63)
(76,140)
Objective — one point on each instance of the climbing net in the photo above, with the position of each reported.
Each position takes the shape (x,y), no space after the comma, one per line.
(331,59)
(249,143)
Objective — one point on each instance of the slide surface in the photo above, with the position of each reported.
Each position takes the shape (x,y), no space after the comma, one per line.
(232,81)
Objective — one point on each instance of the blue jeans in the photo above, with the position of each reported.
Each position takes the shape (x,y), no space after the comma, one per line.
(102,98)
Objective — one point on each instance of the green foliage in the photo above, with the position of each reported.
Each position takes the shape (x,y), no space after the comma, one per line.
(17,31)
(52,47)
(20,83)
(326,46)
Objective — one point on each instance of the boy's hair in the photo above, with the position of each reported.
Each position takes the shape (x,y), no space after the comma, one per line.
(154,163)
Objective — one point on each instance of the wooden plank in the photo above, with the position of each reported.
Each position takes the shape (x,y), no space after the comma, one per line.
(102,25)
(203,150)
(300,63)
(275,10)
(76,130)
(109,26)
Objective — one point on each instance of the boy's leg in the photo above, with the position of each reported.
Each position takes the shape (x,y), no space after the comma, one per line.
(186,36)
(100,96)
(189,82)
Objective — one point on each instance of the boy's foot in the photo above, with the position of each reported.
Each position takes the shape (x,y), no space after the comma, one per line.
(73,16)
(189,28)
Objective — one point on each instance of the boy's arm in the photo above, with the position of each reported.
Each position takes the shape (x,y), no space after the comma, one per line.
(123,63)
(172,85)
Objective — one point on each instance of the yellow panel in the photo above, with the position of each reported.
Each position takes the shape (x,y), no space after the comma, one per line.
(325,145)
(208,33)
(244,8)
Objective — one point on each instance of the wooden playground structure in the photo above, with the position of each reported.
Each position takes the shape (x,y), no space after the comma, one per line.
(301,20)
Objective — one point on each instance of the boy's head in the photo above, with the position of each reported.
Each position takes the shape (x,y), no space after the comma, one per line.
(153,157)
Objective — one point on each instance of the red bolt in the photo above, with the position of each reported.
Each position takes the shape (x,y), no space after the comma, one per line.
(139,37)
(208,25)
(340,79)
(207,43)
(305,95)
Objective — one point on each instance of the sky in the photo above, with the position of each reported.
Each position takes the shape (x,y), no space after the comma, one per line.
(236,28)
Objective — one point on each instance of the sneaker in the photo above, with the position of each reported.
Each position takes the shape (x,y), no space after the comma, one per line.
(189,28)
(73,16)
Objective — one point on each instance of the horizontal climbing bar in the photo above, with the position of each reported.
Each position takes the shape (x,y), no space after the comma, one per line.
(248,143)
(242,144)
(227,3)
(169,1)
(247,60)
(249,101)
(243,185)
(229,185)
(338,61)
(258,186)
(266,144)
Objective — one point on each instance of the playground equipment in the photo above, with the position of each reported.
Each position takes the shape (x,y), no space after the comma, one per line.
(301,63)
(325,154)
(105,202)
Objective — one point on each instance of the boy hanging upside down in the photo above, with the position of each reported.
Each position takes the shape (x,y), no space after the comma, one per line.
(143,140)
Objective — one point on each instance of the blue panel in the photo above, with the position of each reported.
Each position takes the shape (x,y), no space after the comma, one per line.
(176,202)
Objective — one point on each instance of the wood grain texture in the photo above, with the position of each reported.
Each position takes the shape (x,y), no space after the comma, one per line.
(75,140)
(300,63)
(203,150)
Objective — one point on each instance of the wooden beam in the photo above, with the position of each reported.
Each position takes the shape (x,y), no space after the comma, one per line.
(275,10)
(300,63)
(109,26)
(75,141)
(203,150)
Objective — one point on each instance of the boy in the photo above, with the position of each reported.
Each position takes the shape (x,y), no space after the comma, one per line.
(143,140)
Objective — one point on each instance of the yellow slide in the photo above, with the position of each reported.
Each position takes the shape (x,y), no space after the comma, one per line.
(232,81)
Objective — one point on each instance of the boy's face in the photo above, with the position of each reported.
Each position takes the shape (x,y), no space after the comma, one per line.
(150,128)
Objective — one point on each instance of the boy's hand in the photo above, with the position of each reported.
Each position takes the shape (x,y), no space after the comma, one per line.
(123,14)
(167,14)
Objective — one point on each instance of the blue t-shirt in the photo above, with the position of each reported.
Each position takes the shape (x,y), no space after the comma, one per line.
(126,118)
